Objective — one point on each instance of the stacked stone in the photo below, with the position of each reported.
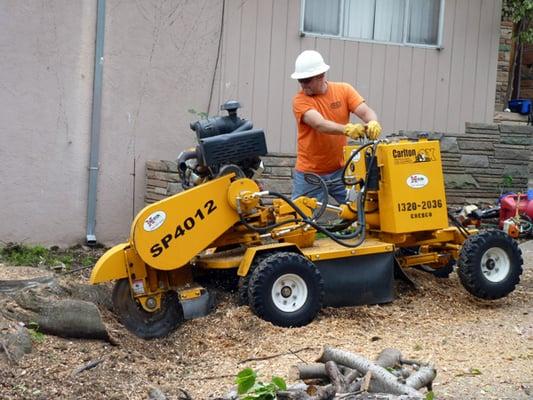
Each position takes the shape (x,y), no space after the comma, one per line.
(485,162)
(162,180)
(277,175)
(490,160)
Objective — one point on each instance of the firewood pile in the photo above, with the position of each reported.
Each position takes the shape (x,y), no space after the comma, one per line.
(340,374)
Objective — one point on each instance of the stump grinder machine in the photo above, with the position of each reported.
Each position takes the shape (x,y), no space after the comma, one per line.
(287,262)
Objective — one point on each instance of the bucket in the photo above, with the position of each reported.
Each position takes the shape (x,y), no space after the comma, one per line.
(522,106)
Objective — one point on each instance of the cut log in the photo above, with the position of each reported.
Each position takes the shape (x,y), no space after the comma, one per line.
(389,358)
(66,318)
(337,379)
(308,371)
(61,309)
(305,371)
(15,341)
(293,395)
(422,378)
(12,286)
(387,380)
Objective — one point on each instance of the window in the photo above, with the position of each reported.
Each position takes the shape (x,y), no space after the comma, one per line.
(415,22)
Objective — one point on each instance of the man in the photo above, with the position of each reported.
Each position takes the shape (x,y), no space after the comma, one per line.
(322,110)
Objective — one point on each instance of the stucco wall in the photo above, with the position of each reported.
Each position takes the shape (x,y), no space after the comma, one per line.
(159,59)
(45,104)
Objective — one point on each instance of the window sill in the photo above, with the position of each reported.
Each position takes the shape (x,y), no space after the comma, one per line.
(349,39)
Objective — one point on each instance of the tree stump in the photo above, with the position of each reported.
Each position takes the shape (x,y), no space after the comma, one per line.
(60,309)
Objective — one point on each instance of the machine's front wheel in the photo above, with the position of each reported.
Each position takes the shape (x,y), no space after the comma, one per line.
(490,264)
(286,289)
(146,325)
(244,281)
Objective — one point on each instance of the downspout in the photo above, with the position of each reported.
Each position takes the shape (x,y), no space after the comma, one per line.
(95,122)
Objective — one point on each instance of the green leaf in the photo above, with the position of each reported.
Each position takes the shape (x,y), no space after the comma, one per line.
(279,382)
(245,380)
(430,396)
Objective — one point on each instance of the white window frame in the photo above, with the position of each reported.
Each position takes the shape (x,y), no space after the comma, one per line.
(437,46)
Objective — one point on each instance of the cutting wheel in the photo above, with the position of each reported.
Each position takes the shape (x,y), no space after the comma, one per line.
(147,325)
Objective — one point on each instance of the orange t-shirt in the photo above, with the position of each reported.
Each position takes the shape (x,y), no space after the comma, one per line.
(320,152)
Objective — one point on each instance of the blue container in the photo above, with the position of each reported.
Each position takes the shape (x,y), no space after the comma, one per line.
(522,106)
(530,194)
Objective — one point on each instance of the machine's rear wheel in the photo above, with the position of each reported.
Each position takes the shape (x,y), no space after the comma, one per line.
(490,264)
(144,324)
(286,289)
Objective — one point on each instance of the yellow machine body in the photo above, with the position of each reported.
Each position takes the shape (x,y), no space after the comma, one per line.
(357,167)
(112,265)
(411,190)
(411,195)
(169,233)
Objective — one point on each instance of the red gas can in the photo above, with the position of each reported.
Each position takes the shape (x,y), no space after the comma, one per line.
(510,203)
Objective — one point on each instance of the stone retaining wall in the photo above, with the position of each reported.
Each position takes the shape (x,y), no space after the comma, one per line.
(485,161)
(479,165)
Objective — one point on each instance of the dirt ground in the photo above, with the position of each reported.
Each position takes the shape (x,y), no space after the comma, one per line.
(481,349)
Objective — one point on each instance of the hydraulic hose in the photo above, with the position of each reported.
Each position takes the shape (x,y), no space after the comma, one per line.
(315,179)
(360,231)
(350,160)
(266,229)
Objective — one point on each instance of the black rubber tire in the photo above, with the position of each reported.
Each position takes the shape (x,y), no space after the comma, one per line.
(442,272)
(265,276)
(244,281)
(474,270)
(144,324)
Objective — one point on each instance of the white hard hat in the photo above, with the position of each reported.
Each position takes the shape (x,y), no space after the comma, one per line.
(309,63)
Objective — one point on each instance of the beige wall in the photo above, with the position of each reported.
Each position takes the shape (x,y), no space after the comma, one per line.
(45,97)
(159,61)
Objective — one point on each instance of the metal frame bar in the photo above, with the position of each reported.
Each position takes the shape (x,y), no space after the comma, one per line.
(95,122)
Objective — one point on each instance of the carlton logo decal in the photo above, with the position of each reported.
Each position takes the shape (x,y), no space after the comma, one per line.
(403,153)
(154,221)
(417,181)
(408,156)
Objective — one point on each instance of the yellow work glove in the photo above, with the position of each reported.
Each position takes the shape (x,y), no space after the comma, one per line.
(373,130)
(355,131)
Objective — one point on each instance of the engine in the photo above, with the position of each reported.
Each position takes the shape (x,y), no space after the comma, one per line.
(225,144)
